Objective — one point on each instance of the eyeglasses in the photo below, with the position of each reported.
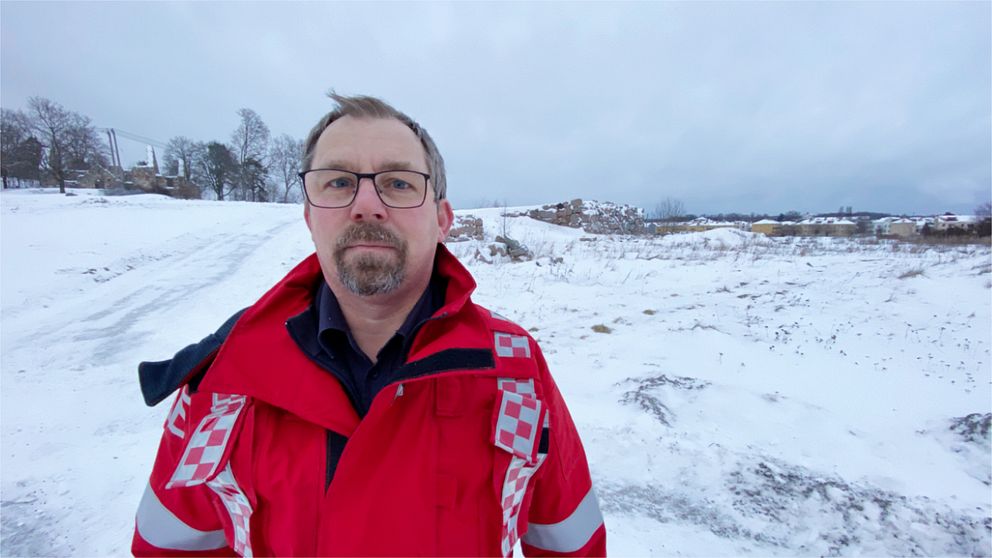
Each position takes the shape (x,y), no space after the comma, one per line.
(336,188)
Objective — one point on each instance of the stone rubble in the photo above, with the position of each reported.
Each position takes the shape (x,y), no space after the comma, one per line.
(592,216)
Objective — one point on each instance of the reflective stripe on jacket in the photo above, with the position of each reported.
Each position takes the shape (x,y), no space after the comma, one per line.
(474,450)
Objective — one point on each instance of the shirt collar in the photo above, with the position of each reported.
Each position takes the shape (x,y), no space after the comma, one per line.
(331,318)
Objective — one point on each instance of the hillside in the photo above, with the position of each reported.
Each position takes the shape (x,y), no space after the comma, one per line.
(735,394)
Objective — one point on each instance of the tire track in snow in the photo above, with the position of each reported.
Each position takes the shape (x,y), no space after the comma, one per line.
(37,510)
(205,263)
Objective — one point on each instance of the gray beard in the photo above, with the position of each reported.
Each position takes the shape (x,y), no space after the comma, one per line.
(370,274)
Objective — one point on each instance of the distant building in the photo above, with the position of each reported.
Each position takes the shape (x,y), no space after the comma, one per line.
(769,227)
(96,177)
(700,224)
(903,228)
(143,176)
(947,224)
(827,226)
(895,226)
(951,224)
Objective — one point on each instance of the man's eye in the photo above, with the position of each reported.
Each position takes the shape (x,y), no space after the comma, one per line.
(339,183)
(397,184)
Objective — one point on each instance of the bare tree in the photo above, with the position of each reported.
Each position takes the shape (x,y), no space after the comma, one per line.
(69,139)
(250,142)
(20,151)
(504,219)
(285,154)
(251,138)
(83,146)
(984,214)
(180,149)
(984,211)
(669,209)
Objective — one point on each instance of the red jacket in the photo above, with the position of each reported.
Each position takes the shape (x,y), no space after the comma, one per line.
(472,452)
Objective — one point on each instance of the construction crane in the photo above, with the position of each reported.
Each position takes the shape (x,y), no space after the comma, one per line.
(115,154)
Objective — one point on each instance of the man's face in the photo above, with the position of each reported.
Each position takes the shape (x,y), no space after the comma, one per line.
(368,248)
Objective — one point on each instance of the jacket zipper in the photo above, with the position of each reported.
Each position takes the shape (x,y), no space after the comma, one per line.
(335,447)
(335,442)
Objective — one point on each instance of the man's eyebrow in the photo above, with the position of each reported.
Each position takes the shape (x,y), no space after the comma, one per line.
(342,165)
(394,165)
(384,166)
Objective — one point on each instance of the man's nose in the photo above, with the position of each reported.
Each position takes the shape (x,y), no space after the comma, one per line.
(367,205)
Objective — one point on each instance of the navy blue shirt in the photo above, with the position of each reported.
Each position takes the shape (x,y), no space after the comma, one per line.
(337,347)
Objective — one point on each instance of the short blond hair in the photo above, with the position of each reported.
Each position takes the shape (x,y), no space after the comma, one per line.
(363,106)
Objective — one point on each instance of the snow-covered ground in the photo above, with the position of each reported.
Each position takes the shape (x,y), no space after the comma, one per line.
(736,394)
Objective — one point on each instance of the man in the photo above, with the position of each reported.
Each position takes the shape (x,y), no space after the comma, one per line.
(365,405)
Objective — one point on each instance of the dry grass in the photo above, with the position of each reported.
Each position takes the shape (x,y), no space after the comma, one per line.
(600,328)
(948,240)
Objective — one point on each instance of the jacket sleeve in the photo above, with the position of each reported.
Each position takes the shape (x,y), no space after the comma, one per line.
(177,521)
(564,517)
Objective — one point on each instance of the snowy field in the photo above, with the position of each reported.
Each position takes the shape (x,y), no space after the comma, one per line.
(737,395)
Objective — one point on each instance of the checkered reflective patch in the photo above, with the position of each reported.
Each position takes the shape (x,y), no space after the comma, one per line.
(518,431)
(207,444)
(238,507)
(512,345)
(518,424)
(518,475)
(516,385)
(176,423)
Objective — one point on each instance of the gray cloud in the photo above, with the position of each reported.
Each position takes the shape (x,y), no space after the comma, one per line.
(729,106)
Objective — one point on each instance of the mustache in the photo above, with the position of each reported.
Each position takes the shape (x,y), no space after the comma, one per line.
(368,232)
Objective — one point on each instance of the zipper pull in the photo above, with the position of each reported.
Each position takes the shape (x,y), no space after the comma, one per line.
(399,392)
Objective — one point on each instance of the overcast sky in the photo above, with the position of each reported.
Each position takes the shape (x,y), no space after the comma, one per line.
(743,106)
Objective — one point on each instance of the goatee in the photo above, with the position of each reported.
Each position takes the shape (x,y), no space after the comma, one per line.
(370,274)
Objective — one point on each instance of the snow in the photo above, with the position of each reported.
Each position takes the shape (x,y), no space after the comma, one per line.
(753,395)
(718,239)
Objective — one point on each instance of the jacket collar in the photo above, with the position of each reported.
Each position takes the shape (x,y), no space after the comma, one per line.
(461,285)
(261,360)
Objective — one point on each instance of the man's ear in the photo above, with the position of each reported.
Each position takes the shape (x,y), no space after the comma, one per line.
(306,214)
(445,218)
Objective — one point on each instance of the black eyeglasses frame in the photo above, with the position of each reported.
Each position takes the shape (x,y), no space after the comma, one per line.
(360,175)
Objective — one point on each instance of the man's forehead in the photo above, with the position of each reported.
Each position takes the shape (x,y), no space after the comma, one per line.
(380,139)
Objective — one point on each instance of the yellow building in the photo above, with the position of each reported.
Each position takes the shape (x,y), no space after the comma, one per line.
(827,226)
(766,226)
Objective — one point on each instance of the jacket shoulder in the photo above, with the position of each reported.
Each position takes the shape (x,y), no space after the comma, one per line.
(516,351)
(161,378)
(498,322)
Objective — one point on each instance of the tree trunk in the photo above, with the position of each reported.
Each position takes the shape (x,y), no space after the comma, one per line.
(61,185)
